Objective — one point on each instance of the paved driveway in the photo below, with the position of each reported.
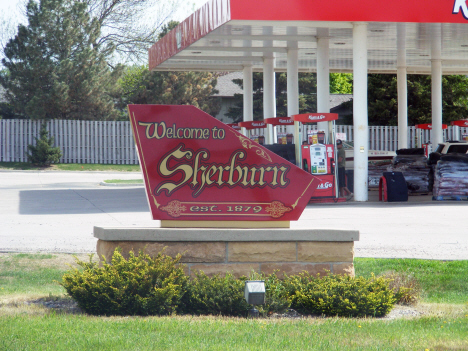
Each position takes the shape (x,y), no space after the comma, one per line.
(55,212)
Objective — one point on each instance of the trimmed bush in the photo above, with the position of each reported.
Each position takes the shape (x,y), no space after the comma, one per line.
(337,295)
(140,285)
(43,153)
(216,295)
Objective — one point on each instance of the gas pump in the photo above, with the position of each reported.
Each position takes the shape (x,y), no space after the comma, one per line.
(456,131)
(318,157)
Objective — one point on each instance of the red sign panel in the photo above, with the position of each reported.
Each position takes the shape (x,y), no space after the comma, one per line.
(461,123)
(252,124)
(234,126)
(197,168)
(315,117)
(428,126)
(280,121)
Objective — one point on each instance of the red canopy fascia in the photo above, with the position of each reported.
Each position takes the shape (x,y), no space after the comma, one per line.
(460,123)
(252,124)
(315,117)
(427,11)
(428,126)
(215,13)
(280,121)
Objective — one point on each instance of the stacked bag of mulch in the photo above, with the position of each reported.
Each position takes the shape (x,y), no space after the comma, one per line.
(375,171)
(413,164)
(451,176)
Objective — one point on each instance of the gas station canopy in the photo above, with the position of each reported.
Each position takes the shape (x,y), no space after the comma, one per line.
(227,35)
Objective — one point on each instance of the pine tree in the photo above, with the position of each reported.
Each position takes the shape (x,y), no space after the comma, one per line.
(44,153)
(54,68)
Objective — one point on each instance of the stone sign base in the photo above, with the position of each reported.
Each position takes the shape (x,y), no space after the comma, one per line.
(239,251)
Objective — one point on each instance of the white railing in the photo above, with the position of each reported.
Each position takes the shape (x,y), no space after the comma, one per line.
(112,142)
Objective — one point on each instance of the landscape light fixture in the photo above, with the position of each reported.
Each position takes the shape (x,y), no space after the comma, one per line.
(254,293)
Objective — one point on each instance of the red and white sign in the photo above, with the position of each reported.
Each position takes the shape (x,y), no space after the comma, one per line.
(461,123)
(234,126)
(280,121)
(252,125)
(315,117)
(197,168)
(428,126)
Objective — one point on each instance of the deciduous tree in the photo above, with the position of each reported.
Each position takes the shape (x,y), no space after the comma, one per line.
(140,86)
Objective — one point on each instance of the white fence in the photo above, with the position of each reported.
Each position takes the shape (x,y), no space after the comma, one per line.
(80,141)
(112,142)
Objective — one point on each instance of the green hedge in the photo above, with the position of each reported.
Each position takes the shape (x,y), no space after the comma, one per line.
(341,295)
(145,286)
(140,285)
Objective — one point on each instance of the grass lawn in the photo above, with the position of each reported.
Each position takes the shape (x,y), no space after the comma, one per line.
(124,181)
(70,167)
(28,326)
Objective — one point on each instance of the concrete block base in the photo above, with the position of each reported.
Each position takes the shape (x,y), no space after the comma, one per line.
(239,251)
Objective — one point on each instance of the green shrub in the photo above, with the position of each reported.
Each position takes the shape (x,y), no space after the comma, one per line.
(216,295)
(405,287)
(44,153)
(276,295)
(340,295)
(140,285)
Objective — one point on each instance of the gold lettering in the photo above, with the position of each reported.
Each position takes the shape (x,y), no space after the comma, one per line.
(232,168)
(204,155)
(165,171)
(253,170)
(275,176)
(220,177)
(261,182)
(211,171)
(170,132)
(283,172)
(200,175)
(155,134)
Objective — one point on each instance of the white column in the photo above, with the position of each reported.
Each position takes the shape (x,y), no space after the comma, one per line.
(269,98)
(436,73)
(323,76)
(248,95)
(402,87)
(361,129)
(292,81)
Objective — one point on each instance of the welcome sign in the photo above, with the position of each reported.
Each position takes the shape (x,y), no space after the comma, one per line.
(198,168)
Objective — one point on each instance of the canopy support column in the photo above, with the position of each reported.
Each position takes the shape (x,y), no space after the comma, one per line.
(248,95)
(361,130)
(436,89)
(323,77)
(269,98)
(402,87)
(292,81)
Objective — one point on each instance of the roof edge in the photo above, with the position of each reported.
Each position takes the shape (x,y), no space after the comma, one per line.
(203,21)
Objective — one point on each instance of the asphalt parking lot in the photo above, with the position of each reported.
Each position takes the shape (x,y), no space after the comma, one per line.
(54,211)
